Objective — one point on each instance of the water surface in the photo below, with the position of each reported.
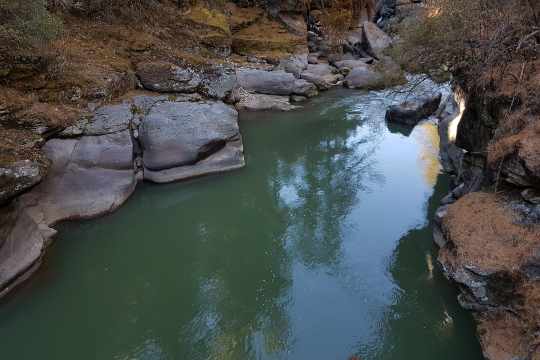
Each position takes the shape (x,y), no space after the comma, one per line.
(319,249)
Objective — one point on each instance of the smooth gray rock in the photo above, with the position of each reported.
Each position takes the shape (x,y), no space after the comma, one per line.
(273,83)
(88,177)
(167,77)
(351,64)
(18,177)
(256,102)
(364,78)
(375,39)
(230,157)
(178,138)
(22,243)
(323,76)
(411,112)
(294,64)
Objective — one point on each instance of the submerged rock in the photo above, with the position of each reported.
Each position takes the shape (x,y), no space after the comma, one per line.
(411,112)
(166,77)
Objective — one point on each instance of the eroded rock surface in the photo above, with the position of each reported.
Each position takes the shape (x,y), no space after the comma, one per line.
(88,177)
(183,139)
(274,83)
(258,102)
(166,77)
(19,176)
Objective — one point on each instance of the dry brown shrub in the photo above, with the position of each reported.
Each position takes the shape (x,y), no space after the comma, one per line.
(473,39)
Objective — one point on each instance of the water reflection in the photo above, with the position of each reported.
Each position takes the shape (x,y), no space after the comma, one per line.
(317,250)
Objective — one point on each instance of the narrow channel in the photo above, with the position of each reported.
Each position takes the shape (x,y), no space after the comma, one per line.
(320,248)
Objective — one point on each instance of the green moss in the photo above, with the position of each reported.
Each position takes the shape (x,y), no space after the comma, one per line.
(205,17)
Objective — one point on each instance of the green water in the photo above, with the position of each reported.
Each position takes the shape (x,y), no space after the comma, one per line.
(319,249)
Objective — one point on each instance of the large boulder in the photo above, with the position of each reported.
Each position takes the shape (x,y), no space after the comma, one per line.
(294,64)
(375,40)
(22,244)
(352,64)
(167,77)
(365,78)
(256,102)
(19,176)
(411,112)
(323,76)
(274,83)
(89,176)
(185,139)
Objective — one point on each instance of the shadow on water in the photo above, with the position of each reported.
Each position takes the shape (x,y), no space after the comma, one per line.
(318,249)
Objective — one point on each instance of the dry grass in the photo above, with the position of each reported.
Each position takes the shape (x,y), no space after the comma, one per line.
(485,233)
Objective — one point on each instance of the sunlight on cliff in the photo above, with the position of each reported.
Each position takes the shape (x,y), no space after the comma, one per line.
(428,137)
(453,125)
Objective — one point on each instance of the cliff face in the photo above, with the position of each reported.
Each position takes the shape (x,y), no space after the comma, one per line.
(489,226)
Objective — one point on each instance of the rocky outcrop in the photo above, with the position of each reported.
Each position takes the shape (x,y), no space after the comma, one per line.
(96,164)
(522,165)
(219,83)
(168,78)
(376,41)
(259,102)
(352,64)
(411,112)
(89,176)
(489,247)
(18,177)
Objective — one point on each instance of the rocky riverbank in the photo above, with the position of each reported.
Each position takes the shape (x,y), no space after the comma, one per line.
(160,120)
(488,227)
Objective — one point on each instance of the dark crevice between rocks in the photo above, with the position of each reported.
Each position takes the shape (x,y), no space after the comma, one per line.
(209,149)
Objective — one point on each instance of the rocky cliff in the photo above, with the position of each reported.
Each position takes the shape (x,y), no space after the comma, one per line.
(489,225)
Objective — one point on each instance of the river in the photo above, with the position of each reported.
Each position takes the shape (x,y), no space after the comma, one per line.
(320,248)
